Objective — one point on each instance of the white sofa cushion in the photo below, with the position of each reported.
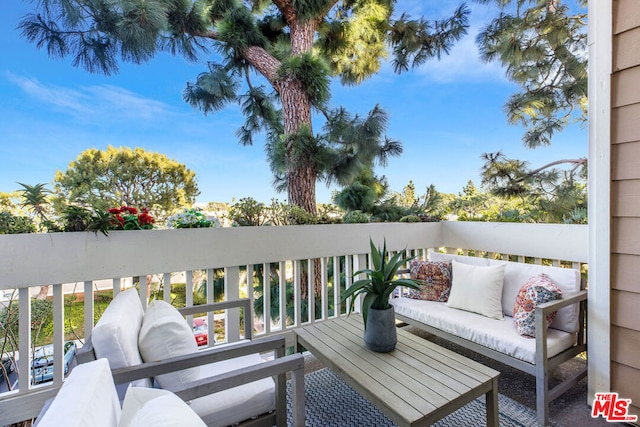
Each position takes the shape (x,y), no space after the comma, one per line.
(157,408)
(471,260)
(499,335)
(115,336)
(477,289)
(165,334)
(239,403)
(516,274)
(87,398)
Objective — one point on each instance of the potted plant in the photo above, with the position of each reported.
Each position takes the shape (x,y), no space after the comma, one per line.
(378,315)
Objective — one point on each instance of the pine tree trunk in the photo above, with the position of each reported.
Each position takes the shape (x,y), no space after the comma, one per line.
(296,109)
(301,175)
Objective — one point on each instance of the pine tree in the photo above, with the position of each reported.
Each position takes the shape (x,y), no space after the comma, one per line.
(293,47)
(543,46)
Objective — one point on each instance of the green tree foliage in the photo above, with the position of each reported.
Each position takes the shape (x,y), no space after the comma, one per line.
(248,212)
(293,47)
(34,198)
(543,46)
(407,197)
(41,322)
(124,176)
(557,190)
(433,205)
(364,192)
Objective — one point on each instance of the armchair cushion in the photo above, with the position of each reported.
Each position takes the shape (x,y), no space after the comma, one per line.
(230,406)
(87,398)
(165,334)
(115,336)
(157,408)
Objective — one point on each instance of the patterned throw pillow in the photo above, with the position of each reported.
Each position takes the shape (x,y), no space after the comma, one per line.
(436,277)
(537,290)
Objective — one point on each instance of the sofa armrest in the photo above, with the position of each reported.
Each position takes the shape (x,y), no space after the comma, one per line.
(541,325)
(566,300)
(200,357)
(279,367)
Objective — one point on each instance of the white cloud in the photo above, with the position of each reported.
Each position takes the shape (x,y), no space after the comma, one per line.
(462,64)
(93,103)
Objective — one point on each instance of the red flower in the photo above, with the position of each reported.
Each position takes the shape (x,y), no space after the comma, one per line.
(114,211)
(145,219)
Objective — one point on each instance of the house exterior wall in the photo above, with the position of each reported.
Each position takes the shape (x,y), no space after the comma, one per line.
(625,201)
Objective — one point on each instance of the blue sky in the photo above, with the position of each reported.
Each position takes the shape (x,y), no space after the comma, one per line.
(446,113)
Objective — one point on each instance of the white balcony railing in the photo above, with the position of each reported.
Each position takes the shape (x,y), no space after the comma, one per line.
(275,258)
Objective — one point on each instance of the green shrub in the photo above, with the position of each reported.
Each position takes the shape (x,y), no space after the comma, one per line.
(356,217)
(410,218)
(12,224)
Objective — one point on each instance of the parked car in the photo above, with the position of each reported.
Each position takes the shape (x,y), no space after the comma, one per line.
(200,331)
(42,364)
(7,363)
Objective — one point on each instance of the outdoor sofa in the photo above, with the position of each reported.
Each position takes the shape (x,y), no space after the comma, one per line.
(476,311)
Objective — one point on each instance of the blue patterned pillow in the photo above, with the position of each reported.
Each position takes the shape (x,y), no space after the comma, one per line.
(535,291)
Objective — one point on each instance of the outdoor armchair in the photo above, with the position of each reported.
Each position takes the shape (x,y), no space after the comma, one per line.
(224,385)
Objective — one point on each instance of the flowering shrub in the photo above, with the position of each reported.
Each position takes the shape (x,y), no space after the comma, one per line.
(128,218)
(191,218)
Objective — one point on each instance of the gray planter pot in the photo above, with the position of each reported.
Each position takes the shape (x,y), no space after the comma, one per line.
(380,333)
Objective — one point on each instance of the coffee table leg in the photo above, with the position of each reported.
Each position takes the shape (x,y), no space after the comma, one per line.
(492,405)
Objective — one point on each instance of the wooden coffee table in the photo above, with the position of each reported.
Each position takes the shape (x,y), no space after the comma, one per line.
(414,385)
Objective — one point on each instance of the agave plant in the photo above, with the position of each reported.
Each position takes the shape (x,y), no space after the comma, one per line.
(381,281)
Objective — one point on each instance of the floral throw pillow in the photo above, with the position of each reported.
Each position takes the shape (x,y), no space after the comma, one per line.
(537,290)
(436,278)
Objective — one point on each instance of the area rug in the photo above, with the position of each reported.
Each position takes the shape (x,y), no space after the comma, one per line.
(330,402)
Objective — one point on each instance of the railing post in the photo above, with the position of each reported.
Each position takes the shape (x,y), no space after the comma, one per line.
(283,295)
(166,287)
(116,286)
(88,307)
(266,296)
(24,334)
(325,288)
(232,293)
(297,298)
(349,262)
(311,291)
(58,334)
(211,340)
(189,295)
(360,262)
(336,286)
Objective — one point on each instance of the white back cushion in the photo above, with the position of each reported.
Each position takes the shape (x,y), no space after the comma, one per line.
(115,336)
(477,289)
(166,334)
(157,408)
(87,398)
(516,274)
(471,260)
